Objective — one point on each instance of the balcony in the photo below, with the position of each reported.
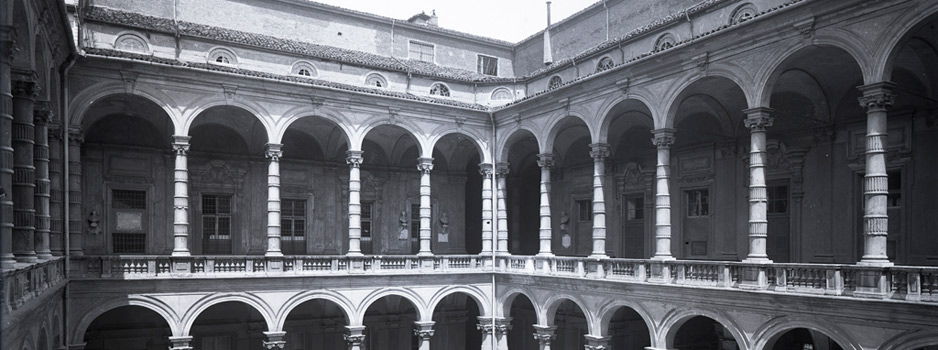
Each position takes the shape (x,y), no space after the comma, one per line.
(24,284)
(897,283)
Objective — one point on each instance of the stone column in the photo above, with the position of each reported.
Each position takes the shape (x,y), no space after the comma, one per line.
(596,342)
(663,139)
(24,171)
(355,337)
(41,116)
(599,152)
(877,98)
(544,335)
(181,196)
(76,222)
(354,160)
(275,340)
(501,173)
(425,165)
(56,240)
(757,119)
(545,161)
(494,333)
(423,331)
(273,153)
(485,169)
(180,343)
(8,52)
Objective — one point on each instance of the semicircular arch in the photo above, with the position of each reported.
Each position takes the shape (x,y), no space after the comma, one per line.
(476,141)
(472,291)
(208,301)
(509,297)
(84,100)
(606,111)
(259,113)
(405,293)
(555,124)
(912,340)
(293,115)
(778,326)
(607,311)
(337,298)
(553,303)
(674,97)
(896,35)
(511,137)
(156,305)
(672,322)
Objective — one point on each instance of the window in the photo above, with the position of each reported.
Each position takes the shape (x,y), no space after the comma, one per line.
(778,199)
(501,94)
(131,43)
(554,82)
(304,69)
(415,221)
(216,223)
(367,216)
(293,226)
(698,203)
(129,210)
(222,56)
(439,89)
(605,63)
(488,65)
(421,51)
(376,80)
(894,198)
(665,41)
(635,208)
(743,13)
(584,210)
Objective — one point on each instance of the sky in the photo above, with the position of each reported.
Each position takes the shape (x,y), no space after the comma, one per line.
(509,20)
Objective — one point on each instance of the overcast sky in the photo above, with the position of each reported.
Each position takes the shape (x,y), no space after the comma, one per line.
(510,20)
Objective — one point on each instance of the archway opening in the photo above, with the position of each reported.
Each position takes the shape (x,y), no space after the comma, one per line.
(390,192)
(128,327)
(523,193)
(628,330)
(571,325)
(523,318)
(389,324)
(571,189)
(802,339)
(316,324)
(456,317)
(633,156)
(703,333)
(229,325)
(457,192)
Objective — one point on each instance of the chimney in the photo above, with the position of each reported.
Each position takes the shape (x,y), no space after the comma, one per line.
(434,20)
(548,57)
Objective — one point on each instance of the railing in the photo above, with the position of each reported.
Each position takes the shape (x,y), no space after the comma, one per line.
(917,284)
(21,285)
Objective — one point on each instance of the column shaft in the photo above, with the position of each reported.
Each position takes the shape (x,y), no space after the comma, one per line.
(599,152)
(877,98)
(545,233)
(354,160)
(181,196)
(757,120)
(42,115)
(24,171)
(7,54)
(486,171)
(75,216)
(501,173)
(56,240)
(273,153)
(425,165)
(663,139)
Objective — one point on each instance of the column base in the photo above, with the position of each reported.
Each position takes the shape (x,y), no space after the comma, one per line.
(663,258)
(545,255)
(274,254)
(757,260)
(181,253)
(875,262)
(598,256)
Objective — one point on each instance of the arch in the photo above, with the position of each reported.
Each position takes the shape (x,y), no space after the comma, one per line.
(553,303)
(628,103)
(132,41)
(912,340)
(409,127)
(84,100)
(676,318)
(304,69)
(607,311)
(221,55)
(476,140)
(253,109)
(376,80)
(897,34)
(440,89)
(510,296)
(472,291)
(512,136)
(558,122)
(778,326)
(210,300)
(407,294)
(291,116)
(502,94)
(683,92)
(344,303)
(153,304)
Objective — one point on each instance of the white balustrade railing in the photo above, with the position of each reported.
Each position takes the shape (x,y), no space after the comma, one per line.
(918,284)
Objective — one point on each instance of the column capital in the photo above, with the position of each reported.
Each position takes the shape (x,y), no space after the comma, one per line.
(75,135)
(425,165)
(181,144)
(25,89)
(275,340)
(759,118)
(544,334)
(485,169)
(273,151)
(180,343)
(501,169)
(545,160)
(8,47)
(877,95)
(501,327)
(423,329)
(42,112)
(663,138)
(353,158)
(599,151)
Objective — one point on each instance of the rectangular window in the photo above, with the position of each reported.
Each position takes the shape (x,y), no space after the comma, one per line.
(293,226)
(584,210)
(488,65)
(415,221)
(366,218)
(698,203)
(128,229)
(421,51)
(894,198)
(778,199)
(636,208)
(216,223)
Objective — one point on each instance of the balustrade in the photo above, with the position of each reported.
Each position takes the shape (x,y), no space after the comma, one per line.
(23,284)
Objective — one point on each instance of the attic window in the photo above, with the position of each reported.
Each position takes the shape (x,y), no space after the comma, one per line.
(501,94)
(376,80)
(605,63)
(131,43)
(304,69)
(488,65)
(222,56)
(743,13)
(665,41)
(421,51)
(439,89)
(554,82)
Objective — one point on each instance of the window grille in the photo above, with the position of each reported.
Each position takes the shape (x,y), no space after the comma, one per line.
(376,80)
(604,64)
(439,89)
(129,235)
(501,94)
(554,82)
(216,223)
(131,43)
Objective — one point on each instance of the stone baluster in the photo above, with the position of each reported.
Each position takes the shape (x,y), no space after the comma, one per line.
(757,119)
(663,139)
(41,116)
(485,169)
(273,153)
(545,233)
(354,160)
(501,174)
(425,165)
(876,99)
(599,152)
(24,171)
(181,196)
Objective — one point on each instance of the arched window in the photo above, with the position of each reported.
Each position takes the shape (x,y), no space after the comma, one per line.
(376,80)
(501,94)
(743,13)
(439,89)
(555,82)
(304,69)
(665,41)
(604,64)
(222,56)
(131,43)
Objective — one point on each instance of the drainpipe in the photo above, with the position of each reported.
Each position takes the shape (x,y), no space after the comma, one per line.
(63,84)
(494,227)
(607,20)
